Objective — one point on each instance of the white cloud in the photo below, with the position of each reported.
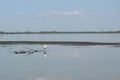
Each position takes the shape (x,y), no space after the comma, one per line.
(60,13)
(52,78)
(75,12)
(56,12)
(40,78)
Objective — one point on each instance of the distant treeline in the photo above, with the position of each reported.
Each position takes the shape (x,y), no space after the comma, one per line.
(60,32)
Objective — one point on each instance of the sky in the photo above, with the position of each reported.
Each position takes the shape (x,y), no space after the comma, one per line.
(59,15)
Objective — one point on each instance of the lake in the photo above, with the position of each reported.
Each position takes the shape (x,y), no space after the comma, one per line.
(61,37)
(59,61)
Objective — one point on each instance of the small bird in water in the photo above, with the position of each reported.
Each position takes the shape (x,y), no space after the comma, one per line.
(44,51)
(45,46)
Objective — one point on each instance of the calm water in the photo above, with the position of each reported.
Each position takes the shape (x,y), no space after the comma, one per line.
(62,62)
(62,37)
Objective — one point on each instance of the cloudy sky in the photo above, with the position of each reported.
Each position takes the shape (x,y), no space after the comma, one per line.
(59,15)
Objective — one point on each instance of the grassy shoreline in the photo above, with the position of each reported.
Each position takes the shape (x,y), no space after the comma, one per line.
(63,32)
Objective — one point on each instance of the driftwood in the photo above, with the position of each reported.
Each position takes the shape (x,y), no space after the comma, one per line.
(31,51)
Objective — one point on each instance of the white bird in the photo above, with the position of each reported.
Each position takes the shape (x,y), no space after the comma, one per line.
(45,46)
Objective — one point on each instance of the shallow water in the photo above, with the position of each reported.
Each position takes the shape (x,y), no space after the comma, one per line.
(61,37)
(63,62)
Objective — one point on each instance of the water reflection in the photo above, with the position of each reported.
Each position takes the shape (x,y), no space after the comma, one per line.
(65,51)
(45,53)
(116,46)
(64,62)
(53,77)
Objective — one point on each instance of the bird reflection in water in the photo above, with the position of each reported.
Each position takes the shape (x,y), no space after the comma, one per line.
(32,51)
(45,53)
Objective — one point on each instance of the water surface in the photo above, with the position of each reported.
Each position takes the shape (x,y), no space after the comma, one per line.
(63,62)
(61,37)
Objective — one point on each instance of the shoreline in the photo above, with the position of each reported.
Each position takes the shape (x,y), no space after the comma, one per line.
(63,32)
(60,42)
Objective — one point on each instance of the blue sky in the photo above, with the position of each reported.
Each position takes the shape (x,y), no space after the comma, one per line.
(59,15)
